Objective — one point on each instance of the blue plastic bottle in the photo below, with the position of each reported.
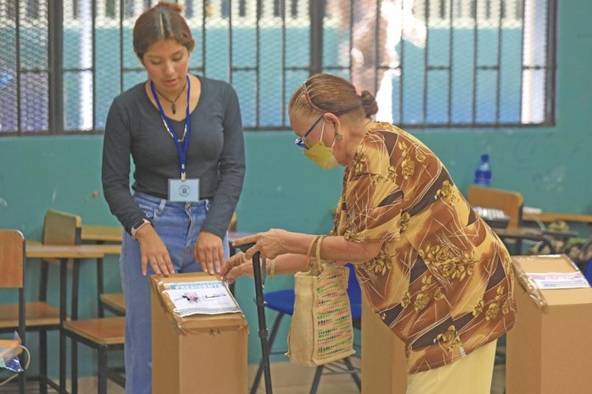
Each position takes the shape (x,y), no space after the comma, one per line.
(483,172)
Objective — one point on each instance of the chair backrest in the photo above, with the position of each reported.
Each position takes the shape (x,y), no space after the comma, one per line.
(508,201)
(12,257)
(61,228)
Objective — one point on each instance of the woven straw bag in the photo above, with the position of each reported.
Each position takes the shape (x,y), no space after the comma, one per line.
(321,330)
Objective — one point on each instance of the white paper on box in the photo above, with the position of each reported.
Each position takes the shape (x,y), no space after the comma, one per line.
(558,280)
(201,297)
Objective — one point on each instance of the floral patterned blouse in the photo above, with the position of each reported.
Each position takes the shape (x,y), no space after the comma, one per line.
(442,281)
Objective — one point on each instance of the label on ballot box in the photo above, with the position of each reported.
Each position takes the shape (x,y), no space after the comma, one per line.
(558,280)
(203,297)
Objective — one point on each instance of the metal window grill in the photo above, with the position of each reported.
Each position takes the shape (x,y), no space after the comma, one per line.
(448,63)
(431,63)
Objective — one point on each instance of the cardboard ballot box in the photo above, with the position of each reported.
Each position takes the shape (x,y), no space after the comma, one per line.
(549,348)
(199,353)
(384,364)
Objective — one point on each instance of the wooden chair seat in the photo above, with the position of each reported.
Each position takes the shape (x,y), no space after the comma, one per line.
(104,331)
(114,301)
(37,314)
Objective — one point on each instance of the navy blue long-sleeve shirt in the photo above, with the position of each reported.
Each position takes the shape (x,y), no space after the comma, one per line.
(215,155)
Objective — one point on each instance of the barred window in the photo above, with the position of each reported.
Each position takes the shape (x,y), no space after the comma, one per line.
(32,9)
(450,63)
(189,8)
(431,63)
(24,66)
(110,9)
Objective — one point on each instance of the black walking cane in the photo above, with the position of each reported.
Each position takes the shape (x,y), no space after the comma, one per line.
(261,316)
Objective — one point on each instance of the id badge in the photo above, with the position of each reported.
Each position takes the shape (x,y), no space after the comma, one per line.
(184,190)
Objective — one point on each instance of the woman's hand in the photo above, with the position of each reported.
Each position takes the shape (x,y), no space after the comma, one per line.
(154,251)
(238,265)
(271,243)
(209,252)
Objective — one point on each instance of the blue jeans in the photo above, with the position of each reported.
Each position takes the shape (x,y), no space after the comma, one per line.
(178,225)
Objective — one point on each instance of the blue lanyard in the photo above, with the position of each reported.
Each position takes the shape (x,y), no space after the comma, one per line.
(182,144)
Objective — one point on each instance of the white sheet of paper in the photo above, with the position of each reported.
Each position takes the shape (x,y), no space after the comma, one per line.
(558,280)
(201,297)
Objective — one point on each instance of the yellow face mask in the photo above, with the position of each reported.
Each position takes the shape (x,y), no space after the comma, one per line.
(321,154)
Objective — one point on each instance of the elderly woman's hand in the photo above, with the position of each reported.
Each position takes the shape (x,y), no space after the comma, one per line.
(270,244)
(238,265)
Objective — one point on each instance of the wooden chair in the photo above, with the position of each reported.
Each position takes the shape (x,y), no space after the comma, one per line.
(511,203)
(114,302)
(100,235)
(61,228)
(34,316)
(101,334)
(508,201)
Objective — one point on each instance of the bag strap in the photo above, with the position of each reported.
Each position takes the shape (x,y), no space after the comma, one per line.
(316,265)
(318,251)
(312,245)
(309,253)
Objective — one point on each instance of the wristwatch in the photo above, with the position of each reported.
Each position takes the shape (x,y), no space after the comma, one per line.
(138,225)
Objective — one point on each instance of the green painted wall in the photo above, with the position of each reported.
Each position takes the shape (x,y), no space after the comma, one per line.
(550,166)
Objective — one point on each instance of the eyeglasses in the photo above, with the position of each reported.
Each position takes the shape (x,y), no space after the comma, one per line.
(300,140)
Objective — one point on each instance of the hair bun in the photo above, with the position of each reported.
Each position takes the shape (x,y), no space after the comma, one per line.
(171,6)
(369,103)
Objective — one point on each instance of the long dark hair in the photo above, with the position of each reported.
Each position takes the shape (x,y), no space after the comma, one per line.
(161,22)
